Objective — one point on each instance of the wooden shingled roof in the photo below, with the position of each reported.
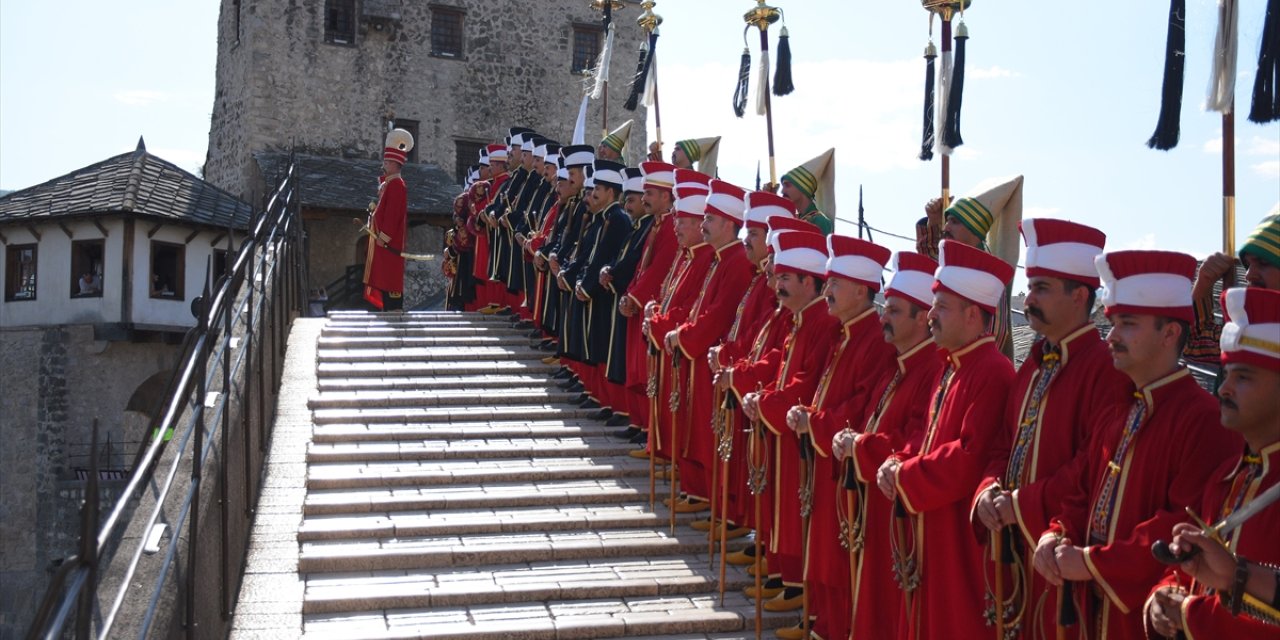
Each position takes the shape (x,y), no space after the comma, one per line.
(136,183)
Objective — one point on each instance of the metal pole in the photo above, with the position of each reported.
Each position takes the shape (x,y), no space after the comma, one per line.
(193,531)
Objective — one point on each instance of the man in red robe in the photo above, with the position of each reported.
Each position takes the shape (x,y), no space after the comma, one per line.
(894,426)
(646,285)
(936,484)
(720,292)
(754,311)
(800,262)
(1234,593)
(1145,465)
(1065,383)
(388,227)
(860,362)
(679,293)
(482,194)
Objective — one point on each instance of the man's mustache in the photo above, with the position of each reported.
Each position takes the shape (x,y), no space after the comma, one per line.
(1227,403)
(783,293)
(1035,312)
(934,325)
(888,330)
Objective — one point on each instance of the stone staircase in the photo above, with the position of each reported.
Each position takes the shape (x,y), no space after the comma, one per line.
(451,490)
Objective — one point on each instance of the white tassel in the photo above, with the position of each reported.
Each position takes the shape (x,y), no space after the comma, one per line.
(602,69)
(762,83)
(1222,79)
(580,127)
(651,82)
(942,91)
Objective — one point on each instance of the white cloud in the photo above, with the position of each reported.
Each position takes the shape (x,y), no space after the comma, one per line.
(1145,243)
(1260,146)
(966,152)
(1268,169)
(140,97)
(1213,145)
(992,72)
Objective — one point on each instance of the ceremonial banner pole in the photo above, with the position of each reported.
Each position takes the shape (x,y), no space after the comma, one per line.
(761,17)
(645,83)
(607,7)
(948,91)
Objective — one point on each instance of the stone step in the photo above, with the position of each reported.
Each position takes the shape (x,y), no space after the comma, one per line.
(396,342)
(438,383)
(381,331)
(472,452)
(528,366)
(428,354)
(531,582)
(439,398)
(502,469)
(480,496)
(436,553)
(669,617)
(485,521)
(553,428)
(450,414)
(419,320)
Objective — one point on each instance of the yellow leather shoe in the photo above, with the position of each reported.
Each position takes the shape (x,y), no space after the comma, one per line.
(665,474)
(690,506)
(768,593)
(491,309)
(740,558)
(701,525)
(732,534)
(781,602)
(763,565)
(551,360)
(790,633)
(642,454)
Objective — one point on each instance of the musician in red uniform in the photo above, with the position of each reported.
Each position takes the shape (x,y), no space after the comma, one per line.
(1229,590)
(800,265)
(936,484)
(1066,381)
(388,227)
(720,291)
(894,426)
(1146,464)
(860,362)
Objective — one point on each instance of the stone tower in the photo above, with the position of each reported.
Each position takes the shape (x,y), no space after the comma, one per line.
(327,77)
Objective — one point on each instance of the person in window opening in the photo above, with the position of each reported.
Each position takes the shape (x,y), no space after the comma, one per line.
(90,284)
(160,287)
(384,264)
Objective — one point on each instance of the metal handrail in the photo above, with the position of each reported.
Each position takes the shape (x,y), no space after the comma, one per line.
(273,293)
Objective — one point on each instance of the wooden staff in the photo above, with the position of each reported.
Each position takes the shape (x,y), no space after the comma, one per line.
(652,443)
(717,417)
(1229,189)
(806,512)
(675,435)
(725,452)
(946,157)
(757,483)
(851,533)
(997,552)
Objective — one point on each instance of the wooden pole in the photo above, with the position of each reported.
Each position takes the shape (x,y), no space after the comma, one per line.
(768,106)
(717,411)
(997,552)
(946,158)
(675,436)
(729,420)
(1229,184)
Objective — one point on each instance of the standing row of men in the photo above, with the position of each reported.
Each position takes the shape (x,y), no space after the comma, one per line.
(902,479)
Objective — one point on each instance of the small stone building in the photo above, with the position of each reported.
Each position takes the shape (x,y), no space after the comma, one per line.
(100,269)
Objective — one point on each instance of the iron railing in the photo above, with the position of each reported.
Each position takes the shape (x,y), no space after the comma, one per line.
(237,349)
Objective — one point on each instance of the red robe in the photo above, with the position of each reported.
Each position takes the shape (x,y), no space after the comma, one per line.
(895,426)
(709,320)
(936,484)
(1085,386)
(483,194)
(1205,614)
(754,312)
(747,374)
(1164,469)
(860,363)
(655,263)
(811,342)
(383,264)
(682,289)
(543,278)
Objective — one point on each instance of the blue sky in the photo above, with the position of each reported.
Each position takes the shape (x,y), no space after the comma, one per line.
(1065,97)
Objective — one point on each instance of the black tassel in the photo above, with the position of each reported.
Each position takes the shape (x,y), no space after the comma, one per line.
(744,78)
(926,138)
(1175,58)
(955,97)
(782,75)
(1266,97)
(642,74)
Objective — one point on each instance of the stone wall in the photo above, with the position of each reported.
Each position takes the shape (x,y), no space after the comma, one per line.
(279,84)
(56,380)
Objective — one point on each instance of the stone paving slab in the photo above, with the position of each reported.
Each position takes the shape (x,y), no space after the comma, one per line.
(396,342)
(438,383)
(473,497)
(450,414)
(698,617)
(427,354)
(421,473)
(408,450)
(483,521)
(531,365)
(403,398)
(553,428)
